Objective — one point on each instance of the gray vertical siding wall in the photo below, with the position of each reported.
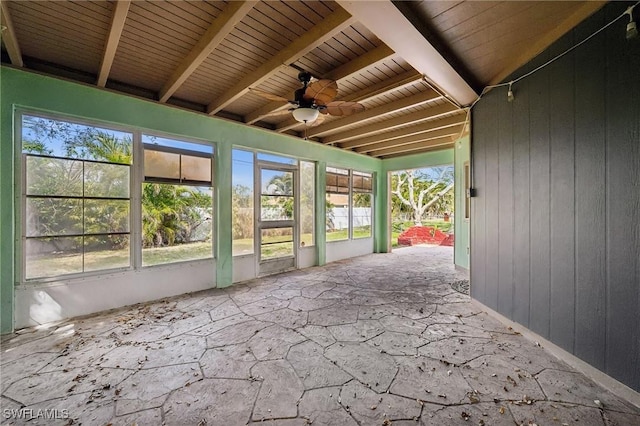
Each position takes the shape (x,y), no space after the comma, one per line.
(555,240)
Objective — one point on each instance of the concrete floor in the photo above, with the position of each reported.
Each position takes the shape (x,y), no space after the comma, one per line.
(376,340)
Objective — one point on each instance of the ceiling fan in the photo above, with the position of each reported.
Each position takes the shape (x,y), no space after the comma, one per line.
(312,99)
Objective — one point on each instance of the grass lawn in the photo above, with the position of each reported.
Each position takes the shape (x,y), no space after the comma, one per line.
(63,264)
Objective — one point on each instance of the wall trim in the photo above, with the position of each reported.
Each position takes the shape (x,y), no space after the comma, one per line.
(609,383)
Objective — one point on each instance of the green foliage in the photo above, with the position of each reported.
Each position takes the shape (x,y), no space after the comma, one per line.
(423,192)
(242,212)
(172,213)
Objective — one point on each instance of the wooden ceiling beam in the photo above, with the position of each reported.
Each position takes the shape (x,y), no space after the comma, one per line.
(120,11)
(381,111)
(363,62)
(9,35)
(372,92)
(385,87)
(584,11)
(405,131)
(402,120)
(449,145)
(316,36)
(388,23)
(360,63)
(215,34)
(436,142)
(407,140)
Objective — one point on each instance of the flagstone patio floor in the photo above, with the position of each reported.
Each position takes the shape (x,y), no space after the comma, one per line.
(376,340)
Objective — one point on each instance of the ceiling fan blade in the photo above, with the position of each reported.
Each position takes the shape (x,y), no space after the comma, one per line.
(340,108)
(321,91)
(267,95)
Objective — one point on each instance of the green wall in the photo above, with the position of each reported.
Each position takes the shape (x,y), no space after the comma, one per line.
(35,92)
(461,225)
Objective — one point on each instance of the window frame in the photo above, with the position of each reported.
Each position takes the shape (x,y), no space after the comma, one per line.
(21,196)
(351,192)
(136,179)
(143,146)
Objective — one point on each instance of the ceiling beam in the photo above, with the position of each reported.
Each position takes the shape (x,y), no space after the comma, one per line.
(419,137)
(386,109)
(316,36)
(217,31)
(9,35)
(359,64)
(402,120)
(374,91)
(581,13)
(385,87)
(448,145)
(436,142)
(405,131)
(118,18)
(388,23)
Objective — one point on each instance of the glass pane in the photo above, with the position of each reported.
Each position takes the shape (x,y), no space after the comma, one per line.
(53,216)
(276,208)
(53,176)
(337,180)
(106,252)
(337,217)
(276,182)
(58,138)
(160,164)
(277,242)
(196,168)
(242,202)
(172,143)
(307,203)
(106,180)
(276,158)
(361,215)
(176,223)
(362,181)
(106,216)
(49,257)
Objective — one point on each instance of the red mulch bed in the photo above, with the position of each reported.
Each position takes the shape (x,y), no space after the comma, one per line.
(425,235)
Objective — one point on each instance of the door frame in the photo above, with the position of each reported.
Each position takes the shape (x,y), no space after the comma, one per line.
(285,263)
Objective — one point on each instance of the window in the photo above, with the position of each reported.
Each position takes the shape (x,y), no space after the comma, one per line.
(362,204)
(307,203)
(76,198)
(242,202)
(337,205)
(177,201)
(349,204)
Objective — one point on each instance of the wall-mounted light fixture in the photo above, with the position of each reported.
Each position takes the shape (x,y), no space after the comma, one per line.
(510,96)
(632,27)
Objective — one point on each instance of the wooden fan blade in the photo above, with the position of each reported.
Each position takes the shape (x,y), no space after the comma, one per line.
(321,92)
(340,108)
(268,95)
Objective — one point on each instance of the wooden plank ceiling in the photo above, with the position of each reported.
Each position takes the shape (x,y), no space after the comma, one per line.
(414,65)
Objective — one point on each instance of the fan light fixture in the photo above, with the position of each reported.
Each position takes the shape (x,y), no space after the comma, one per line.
(305,115)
